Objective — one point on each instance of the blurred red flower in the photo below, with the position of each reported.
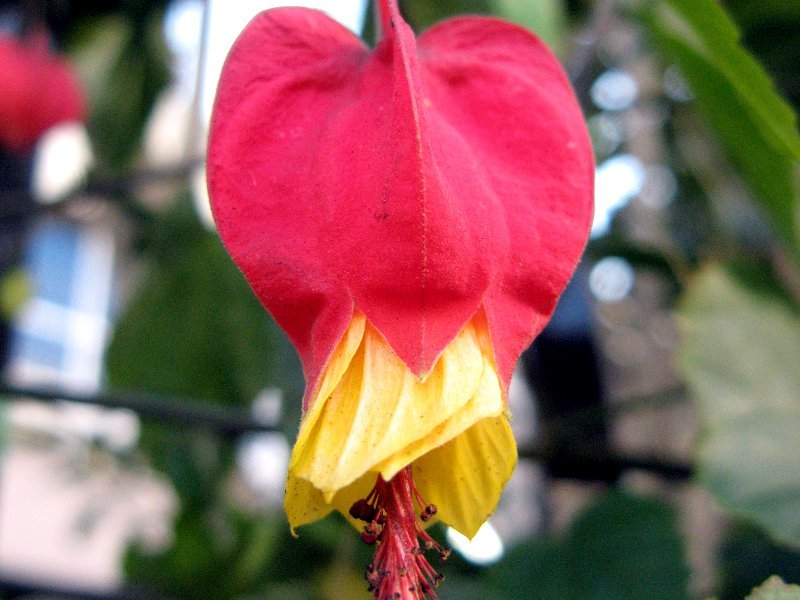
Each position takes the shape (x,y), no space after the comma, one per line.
(37,90)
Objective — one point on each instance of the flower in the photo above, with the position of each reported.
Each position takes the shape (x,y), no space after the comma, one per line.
(409,215)
(39,90)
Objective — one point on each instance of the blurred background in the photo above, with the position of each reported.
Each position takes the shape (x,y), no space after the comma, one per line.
(149,403)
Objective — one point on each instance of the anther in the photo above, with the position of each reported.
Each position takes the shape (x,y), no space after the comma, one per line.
(428,513)
(371,533)
(362,510)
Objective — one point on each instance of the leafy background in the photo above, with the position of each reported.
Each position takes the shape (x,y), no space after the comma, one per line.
(720,259)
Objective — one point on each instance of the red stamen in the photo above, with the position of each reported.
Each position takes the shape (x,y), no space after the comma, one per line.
(400,570)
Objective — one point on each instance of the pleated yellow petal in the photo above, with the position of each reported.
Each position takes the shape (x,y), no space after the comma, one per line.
(466,476)
(305,504)
(371,415)
(379,408)
(486,402)
(337,365)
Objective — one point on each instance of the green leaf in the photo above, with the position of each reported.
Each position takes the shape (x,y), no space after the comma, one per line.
(545,17)
(123,64)
(195,328)
(640,256)
(421,14)
(464,587)
(15,289)
(739,359)
(621,547)
(757,11)
(757,128)
(775,589)
(214,554)
(748,556)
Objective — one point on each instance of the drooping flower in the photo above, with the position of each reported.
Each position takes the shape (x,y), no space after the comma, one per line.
(409,215)
(39,90)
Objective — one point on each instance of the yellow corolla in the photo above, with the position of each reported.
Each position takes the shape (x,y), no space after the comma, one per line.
(371,415)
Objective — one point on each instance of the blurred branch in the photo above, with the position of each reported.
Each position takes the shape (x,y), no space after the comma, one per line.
(195,128)
(787,272)
(608,467)
(579,66)
(12,588)
(187,412)
(119,189)
(127,184)
(668,396)
(233,421)
(656,399)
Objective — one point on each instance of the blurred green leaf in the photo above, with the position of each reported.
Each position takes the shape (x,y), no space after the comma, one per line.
(621,547)
(775,589)
(740,361)
(545,17)
(460,587)
(640,256)
(421,14)
(755,11)
(215,554)
(124,65)
(734,94)
(748,556)
(195,328)
(15,289)
(770,31)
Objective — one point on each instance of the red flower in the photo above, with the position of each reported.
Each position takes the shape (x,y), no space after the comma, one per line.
(39,90)
(409,215)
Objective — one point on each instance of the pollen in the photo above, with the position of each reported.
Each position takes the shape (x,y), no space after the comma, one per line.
(394,512)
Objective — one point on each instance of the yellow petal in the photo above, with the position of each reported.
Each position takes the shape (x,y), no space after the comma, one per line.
(337,365)
(379,408)
(487,401)
(465,477)
(371,415)
(305,504)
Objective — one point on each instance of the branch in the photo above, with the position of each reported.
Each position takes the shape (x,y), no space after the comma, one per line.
(186,412)
(787,271)
(579,66)
(21,203)
(233,421)
(608,467)
(22,588)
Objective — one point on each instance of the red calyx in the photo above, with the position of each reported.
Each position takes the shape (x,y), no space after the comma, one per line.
(421,181)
